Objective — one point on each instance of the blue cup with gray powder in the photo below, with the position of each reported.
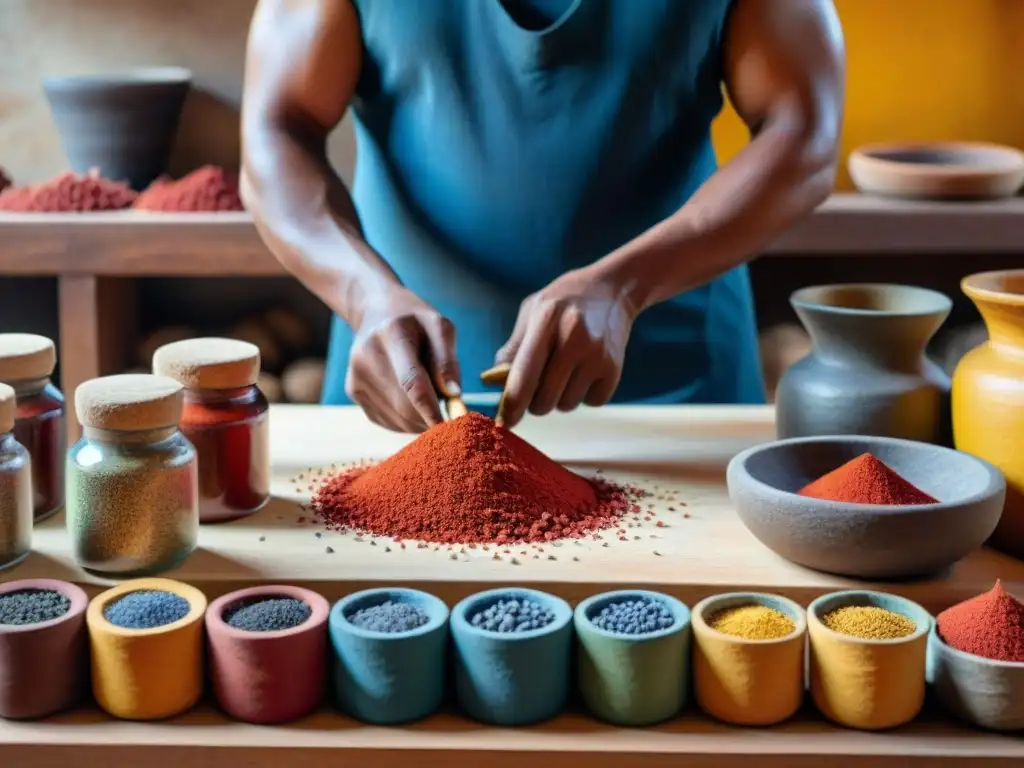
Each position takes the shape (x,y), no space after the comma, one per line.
(389,649)
(513,650)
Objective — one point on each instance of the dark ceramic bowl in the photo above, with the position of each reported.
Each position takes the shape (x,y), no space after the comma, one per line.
(123,125)
(865,540)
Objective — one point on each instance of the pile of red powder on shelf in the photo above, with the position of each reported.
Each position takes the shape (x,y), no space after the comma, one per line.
(469,481)
(989,625)
(69,193)
(209,188)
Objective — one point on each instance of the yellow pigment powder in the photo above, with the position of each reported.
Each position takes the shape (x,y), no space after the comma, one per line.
(869,622)
(753,622)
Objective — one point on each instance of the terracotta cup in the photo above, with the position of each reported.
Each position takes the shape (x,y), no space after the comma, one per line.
(268,677)
(44,667)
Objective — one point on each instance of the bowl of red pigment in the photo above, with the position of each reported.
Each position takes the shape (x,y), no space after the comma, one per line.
(867,507)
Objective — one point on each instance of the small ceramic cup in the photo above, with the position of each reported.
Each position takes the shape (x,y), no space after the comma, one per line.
(748,682)
(514,678)
(985,692)
(386,678)
(44,667)
(633,680)
(867,684)
(147,674)
(268,677)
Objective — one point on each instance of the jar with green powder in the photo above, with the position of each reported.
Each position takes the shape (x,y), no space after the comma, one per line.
(132,479)
(15,487)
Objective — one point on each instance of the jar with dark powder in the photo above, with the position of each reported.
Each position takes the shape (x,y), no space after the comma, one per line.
(26,363)
(132,494)
(225,417)
(15,487)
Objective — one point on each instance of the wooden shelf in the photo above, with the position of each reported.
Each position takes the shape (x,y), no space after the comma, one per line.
(226,244)
(205,738)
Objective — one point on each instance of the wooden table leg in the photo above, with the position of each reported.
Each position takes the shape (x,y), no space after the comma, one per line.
(97,329)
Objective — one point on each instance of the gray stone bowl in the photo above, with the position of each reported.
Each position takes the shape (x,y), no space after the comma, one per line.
(864,540)
(123,125)
(985,692)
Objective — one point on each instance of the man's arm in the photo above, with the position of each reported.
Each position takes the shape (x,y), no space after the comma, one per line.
(784,72)
(302,66)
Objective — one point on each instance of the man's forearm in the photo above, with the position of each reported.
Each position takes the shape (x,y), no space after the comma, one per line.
(781,176)
(305,215)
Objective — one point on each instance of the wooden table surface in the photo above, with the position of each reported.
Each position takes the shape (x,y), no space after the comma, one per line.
(678,452)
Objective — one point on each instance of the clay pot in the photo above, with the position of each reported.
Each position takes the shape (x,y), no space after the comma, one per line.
(268,677)
(938,170)
(44,667)
(123,125)
(988,394)
(867,373)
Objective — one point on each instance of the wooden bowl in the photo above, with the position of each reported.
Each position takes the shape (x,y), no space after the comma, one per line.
(866,540)
(937,170)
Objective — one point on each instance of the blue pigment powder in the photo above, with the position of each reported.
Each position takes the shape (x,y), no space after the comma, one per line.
(146,609)
(269,614)
(390,617)
(32,606)
(639,615)
(512,615)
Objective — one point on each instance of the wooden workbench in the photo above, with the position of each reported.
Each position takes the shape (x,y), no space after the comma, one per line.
(702,549)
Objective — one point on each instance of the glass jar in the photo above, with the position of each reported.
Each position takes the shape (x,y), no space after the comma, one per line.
(229,428)
(225,417)
(132,479)
(15,487)
(26,363)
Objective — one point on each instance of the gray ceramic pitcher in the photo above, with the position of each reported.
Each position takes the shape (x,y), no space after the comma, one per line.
(867,373)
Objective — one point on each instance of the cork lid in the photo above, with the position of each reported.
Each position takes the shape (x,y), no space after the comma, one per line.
(8,408)
(129,402)
(25,356)
(209,363)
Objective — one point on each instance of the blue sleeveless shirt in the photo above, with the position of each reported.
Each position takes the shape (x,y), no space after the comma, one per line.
(493,156)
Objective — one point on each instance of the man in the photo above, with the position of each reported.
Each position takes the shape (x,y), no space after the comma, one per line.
(539,175)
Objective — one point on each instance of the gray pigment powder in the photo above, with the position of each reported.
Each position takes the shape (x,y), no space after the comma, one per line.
(32,606)
(146,609)
(512,615)
(390,616)
(639,615)
(268,614)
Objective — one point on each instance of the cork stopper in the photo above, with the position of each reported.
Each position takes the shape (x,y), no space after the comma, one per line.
(8,409)
(129,402)
(26,356)
(209,363)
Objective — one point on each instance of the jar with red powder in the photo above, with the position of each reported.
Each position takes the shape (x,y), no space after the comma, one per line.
(225,417)
(26,364)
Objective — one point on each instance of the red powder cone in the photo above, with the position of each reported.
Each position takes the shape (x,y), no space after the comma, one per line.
(467,481)
(866,480)
(69,193)
(989,625)
(207,189)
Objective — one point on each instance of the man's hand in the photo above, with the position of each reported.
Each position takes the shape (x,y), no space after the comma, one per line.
(403,355)
(567,347)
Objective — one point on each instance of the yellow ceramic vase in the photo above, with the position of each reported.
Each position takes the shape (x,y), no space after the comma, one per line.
(988,395)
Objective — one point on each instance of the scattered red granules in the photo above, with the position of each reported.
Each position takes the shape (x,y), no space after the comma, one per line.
(470,481)
(69,193)
(210,188)
(865,480)
(989,625)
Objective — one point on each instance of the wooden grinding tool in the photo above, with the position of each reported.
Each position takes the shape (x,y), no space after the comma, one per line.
(497,377)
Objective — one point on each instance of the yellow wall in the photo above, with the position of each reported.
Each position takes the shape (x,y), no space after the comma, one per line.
(924,69)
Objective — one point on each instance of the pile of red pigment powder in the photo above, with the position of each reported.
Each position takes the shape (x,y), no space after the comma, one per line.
(865,480)
(989,625)
(469,481)
(209,188)
(69,193)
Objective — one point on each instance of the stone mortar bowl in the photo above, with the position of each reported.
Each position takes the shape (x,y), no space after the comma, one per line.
(865,540)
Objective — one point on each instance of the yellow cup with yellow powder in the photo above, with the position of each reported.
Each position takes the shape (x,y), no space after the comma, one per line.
(147,672)
(748,657)
(868,653)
